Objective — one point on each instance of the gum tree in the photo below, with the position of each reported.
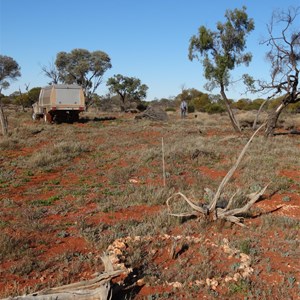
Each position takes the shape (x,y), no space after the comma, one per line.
(84,68)
(128,88)
(221,51)
(9,70)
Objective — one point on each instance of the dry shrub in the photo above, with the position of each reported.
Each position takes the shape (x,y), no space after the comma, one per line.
(209,120)
(134,143)
(11,248)
(10,144)
(290,121)
(58,154)
(247,117)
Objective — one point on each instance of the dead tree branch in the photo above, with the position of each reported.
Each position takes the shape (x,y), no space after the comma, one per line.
(98,288)
(212,209)
(212,205)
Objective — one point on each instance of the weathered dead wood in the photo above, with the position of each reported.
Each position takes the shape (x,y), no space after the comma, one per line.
(98,288)
(212,209)
(3,121)
(154,114)
(230,215)
(227,177)
(258,113)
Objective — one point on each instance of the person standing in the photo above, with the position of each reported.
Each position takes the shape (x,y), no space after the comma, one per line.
(183,108)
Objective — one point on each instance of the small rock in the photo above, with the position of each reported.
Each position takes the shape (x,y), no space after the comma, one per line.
(132,180)
(119,244)
(245,257)
(212,283)
(247,272)
(199,282)
(237,277)
(177,285)
(140,282)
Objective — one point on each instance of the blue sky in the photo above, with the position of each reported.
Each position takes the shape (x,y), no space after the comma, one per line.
(147,39)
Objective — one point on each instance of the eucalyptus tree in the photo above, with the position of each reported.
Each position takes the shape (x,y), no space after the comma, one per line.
(128,88)
(221,51)
(9,70)
(84,68)
(284,56)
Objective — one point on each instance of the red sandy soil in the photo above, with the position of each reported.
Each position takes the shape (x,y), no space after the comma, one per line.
(56,245)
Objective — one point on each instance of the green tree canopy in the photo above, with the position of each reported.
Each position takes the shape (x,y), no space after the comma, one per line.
(128,88)
(222,50)
(188,94)
(242,104)
(84,68)
(202,102)
(33,94)
(9,70)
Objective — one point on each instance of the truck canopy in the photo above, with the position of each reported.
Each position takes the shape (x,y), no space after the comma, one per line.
(62,96)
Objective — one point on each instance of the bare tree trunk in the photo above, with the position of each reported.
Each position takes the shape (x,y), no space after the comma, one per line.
(272,119)
(3,121)
(89,102)
(232,118)
(22,97)
(122,101)
(122,105)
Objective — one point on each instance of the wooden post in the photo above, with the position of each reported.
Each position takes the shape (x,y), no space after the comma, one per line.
(163,161)
(3,121)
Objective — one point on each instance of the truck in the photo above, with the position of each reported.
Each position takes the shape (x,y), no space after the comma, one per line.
(59,103)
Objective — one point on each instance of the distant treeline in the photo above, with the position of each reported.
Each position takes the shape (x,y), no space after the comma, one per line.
(197,102)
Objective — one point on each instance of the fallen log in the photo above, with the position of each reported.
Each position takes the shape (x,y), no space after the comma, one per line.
(98,288)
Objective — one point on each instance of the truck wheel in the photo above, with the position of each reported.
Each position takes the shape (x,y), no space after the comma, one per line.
(47,118)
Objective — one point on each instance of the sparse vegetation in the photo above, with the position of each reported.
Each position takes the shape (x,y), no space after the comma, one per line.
(66,195)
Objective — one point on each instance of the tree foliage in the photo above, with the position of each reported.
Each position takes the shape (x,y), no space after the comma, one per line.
(84,68)
(202,102)
(33,94)
(128,88)
(188,94)
(9,70)
(221,50)
(28,98)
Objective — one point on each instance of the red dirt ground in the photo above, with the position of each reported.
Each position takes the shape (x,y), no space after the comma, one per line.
(56,244)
